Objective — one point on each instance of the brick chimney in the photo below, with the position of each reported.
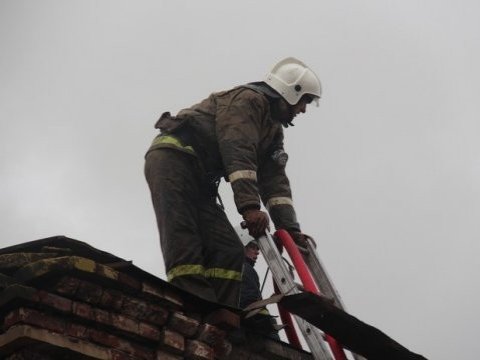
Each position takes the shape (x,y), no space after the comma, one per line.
(63,299)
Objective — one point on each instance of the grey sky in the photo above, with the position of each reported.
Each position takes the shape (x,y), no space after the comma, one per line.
(385,173)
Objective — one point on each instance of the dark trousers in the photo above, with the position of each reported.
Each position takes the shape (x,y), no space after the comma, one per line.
(201,250)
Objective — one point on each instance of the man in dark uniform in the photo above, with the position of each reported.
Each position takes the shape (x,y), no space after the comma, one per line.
(236,134)
(250,291)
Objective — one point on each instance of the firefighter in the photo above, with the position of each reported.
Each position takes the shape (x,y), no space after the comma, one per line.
(237,135)
(250,289)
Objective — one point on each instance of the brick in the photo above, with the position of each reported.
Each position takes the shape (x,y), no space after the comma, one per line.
(183,324)
(104,338)
(210,334)
(12,318)
(17,260)
(167,297)
(129,281)
(157,315)
(172,341)
(15,292)
(57,344)
(34,317)
(67,286)
(124,323)
(107,272)
(162,355)
(118,355)
(41,267)
(120,344)
(76,330)
(148,331)
(196,350)
(82,264)
(194,315)
(102,316)
(83,310)
(143,310)
(89,292)
(41,320)
(152,290)
(172,298)
(222,349)
(59,303)
(142,352)
(135,308)
(111,299)
(224,319)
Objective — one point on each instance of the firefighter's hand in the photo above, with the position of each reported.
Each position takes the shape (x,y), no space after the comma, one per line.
(301,240)
(256,222)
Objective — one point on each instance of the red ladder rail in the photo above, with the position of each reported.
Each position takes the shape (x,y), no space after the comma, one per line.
(287,320)
(308,283)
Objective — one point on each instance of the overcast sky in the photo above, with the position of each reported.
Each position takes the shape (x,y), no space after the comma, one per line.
(385,173)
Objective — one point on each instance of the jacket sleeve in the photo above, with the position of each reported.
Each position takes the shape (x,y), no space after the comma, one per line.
(275,190)
(238,127)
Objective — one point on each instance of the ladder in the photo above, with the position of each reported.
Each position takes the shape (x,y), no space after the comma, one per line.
(314,278)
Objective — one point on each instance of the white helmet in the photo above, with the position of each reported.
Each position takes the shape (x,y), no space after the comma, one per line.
(244,236)
(292,79)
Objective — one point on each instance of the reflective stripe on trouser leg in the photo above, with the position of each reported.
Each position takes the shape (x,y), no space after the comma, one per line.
(218,273)
(183,270)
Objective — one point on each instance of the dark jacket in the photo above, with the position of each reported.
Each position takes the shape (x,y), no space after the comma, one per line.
(250,288)
(249,293)
(234,135)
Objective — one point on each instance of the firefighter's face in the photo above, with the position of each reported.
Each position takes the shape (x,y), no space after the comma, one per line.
(252,251)
(288,112)
(301,106)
